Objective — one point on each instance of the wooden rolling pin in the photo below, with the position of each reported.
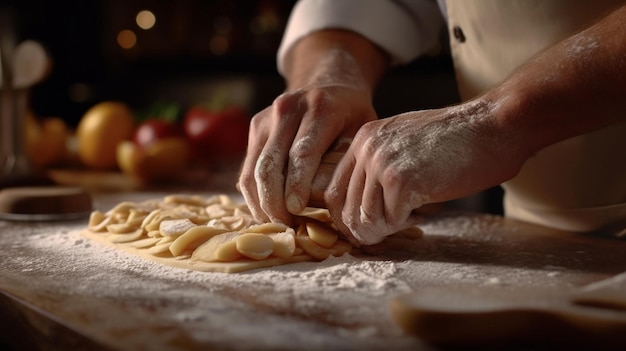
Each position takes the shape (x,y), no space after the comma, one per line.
(324,175)
(322,178)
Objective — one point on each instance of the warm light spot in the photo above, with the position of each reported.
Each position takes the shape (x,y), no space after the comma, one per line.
(145,19)
(126,39)
(266,22)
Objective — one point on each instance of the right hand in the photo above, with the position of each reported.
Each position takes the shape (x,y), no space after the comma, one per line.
(287,141)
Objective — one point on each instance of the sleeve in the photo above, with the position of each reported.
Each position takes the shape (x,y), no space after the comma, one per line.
(404,29)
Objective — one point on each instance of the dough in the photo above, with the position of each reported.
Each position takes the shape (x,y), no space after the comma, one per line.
(217,234)
(213,234)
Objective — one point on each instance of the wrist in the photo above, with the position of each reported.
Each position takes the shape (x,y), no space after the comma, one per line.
(334,57)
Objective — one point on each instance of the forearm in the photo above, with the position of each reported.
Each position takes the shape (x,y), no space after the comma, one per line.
(575,87)
(334,57)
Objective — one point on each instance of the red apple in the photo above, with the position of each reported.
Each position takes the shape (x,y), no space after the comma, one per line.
(153,129)
(217,136)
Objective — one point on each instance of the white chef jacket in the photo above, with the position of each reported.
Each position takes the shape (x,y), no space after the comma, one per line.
(578,184)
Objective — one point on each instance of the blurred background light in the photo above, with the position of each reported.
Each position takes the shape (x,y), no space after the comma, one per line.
(126,39)
(145,19)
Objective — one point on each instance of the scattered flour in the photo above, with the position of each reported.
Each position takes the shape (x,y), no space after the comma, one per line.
(345,298)
(341,303)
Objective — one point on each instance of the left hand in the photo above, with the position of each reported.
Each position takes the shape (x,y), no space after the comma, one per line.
(395,166)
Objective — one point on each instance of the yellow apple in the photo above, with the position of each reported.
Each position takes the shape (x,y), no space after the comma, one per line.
(164,159)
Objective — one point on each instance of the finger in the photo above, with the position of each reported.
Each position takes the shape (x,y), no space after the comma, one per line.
(370,227)
(335,195)
(400,204)
(269,177)
(348,215)
(247,183)
(397,212)
(351,213)
(372,206)
(270,167)
(270,181)
(313,139)
(247,186)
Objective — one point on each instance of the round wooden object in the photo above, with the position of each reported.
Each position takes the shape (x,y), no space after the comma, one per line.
(44,203)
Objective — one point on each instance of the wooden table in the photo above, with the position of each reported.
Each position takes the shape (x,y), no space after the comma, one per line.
(53,296)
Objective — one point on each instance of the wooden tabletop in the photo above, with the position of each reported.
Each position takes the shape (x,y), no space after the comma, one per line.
(60,291)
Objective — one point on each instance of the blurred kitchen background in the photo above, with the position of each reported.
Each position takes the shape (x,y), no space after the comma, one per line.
(146,51)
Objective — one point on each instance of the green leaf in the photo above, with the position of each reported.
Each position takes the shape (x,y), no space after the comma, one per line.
(166,111)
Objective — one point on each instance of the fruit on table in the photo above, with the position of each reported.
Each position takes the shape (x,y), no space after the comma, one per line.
(158,151)
(161,160)
(99,132)
(154,129)
(45,141)
(217,135)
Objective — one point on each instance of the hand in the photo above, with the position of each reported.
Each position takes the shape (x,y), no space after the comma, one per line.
(396,165)
(330,77)
(287,141)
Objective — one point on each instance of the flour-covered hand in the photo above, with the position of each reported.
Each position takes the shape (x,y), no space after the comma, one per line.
(396,165)
(330,77)
(287,141)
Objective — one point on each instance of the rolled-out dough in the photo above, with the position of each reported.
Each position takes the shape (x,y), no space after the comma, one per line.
(200,233)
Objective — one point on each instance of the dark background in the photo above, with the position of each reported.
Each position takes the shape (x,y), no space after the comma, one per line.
(81,38)
(178,61)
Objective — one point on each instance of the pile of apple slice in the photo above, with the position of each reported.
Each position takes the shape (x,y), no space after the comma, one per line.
(215,229)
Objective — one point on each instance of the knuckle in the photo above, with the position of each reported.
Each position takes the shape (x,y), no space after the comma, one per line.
(393,179)
(317,97)
(260,176)
(284,103)
(302,149)
(364,135)
(246,180)
(367,129)
(319,103)
(282,99)
(256,123)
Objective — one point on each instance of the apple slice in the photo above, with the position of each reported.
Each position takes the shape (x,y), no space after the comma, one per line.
(284,243)
(321,234)
(193,238)
(256,246)
(221,247)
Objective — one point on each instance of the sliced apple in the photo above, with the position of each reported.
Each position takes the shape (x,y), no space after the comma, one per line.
(193,238)
(256,246)
(221,247)
(284,243)
(322,234)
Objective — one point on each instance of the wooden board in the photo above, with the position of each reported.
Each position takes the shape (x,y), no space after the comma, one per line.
(487,315)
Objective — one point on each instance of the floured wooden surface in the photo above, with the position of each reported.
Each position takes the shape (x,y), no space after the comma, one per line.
(125,302)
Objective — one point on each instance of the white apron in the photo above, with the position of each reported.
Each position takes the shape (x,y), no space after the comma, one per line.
(578,184)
